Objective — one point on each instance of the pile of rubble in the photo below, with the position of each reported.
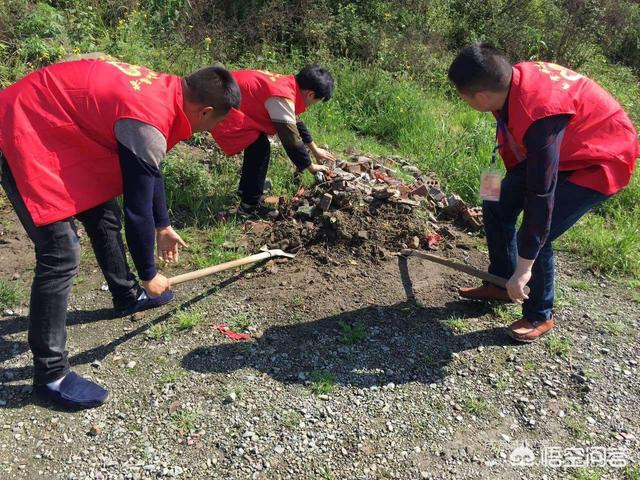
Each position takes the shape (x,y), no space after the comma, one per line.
(369,204)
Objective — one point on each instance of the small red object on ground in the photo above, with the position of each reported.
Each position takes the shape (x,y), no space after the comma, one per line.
(226,331)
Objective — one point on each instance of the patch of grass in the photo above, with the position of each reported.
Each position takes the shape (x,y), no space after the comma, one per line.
(322,382)
(188,319)
(184,421)
(326,474)
(10,295)
(580,285)
(560,346)
(502,383)
(234,390)
(161,331)
(169,377)
(615,327)
(576,426)
(529,365)
(507,313)
(297,301)
(564,298)
(241,322)
(476,406)
(632,472)
(607,238)
(456,324)
(291,420)
(206,246)
(352,332)
(198,185)
(586,474)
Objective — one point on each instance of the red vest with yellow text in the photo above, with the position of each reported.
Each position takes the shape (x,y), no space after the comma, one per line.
(243,127)
(57,130)
(600,144)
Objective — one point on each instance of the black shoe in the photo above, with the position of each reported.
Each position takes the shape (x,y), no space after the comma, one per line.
(258,211)
(145,304)
(75,392)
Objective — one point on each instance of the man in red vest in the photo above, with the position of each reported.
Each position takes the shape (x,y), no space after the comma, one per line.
(73,136)
(271,104)
(567,145)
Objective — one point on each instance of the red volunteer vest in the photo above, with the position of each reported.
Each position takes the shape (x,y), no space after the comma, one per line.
(57,130)
(600,143)
(243,127)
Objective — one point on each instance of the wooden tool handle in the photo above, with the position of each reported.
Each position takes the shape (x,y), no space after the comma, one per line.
(204,272)
(494,279)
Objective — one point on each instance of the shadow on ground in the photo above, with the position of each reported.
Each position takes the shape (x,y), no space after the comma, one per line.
(18,396)
(404,342)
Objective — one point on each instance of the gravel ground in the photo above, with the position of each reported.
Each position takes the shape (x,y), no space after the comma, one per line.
(356,370)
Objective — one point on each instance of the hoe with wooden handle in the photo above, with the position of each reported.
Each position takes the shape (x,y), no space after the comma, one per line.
(499,281)
(205,272)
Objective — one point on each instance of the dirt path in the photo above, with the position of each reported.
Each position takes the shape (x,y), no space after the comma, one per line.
(357,370)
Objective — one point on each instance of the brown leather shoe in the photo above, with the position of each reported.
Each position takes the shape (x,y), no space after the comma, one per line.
(525,331)
(487,291)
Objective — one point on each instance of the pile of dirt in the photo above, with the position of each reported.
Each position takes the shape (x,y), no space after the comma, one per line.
(363,207)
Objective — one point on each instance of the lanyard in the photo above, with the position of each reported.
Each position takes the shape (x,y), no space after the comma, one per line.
(494,159)
(513,146)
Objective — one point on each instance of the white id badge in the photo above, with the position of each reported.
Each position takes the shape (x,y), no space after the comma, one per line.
(490,180)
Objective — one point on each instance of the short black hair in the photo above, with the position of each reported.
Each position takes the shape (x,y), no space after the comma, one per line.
(317,79)
(479,67)
(213,86)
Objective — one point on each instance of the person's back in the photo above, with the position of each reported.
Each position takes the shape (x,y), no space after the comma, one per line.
(600,142)
(257,87)
(57,117)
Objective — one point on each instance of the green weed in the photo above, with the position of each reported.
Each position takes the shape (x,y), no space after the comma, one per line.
(188,319)
(169,377)
(10,295)
(577,427)
(322,382)
(291,420)
(476,406)
(456,324)
(560,346)
(352,332)
(580,285)
(241,322)
(586,474)
(184,421)
(632,472)
(161,331)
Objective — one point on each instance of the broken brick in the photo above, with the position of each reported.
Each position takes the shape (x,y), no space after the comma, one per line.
(272,200)
(257,227)
(420,190)
(454,206)
(473,218)
(433,239)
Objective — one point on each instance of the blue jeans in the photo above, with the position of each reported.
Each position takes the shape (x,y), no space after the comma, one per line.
(571,203)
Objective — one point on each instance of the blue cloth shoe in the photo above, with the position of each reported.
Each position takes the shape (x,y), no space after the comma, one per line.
(145,303)
(75,392)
